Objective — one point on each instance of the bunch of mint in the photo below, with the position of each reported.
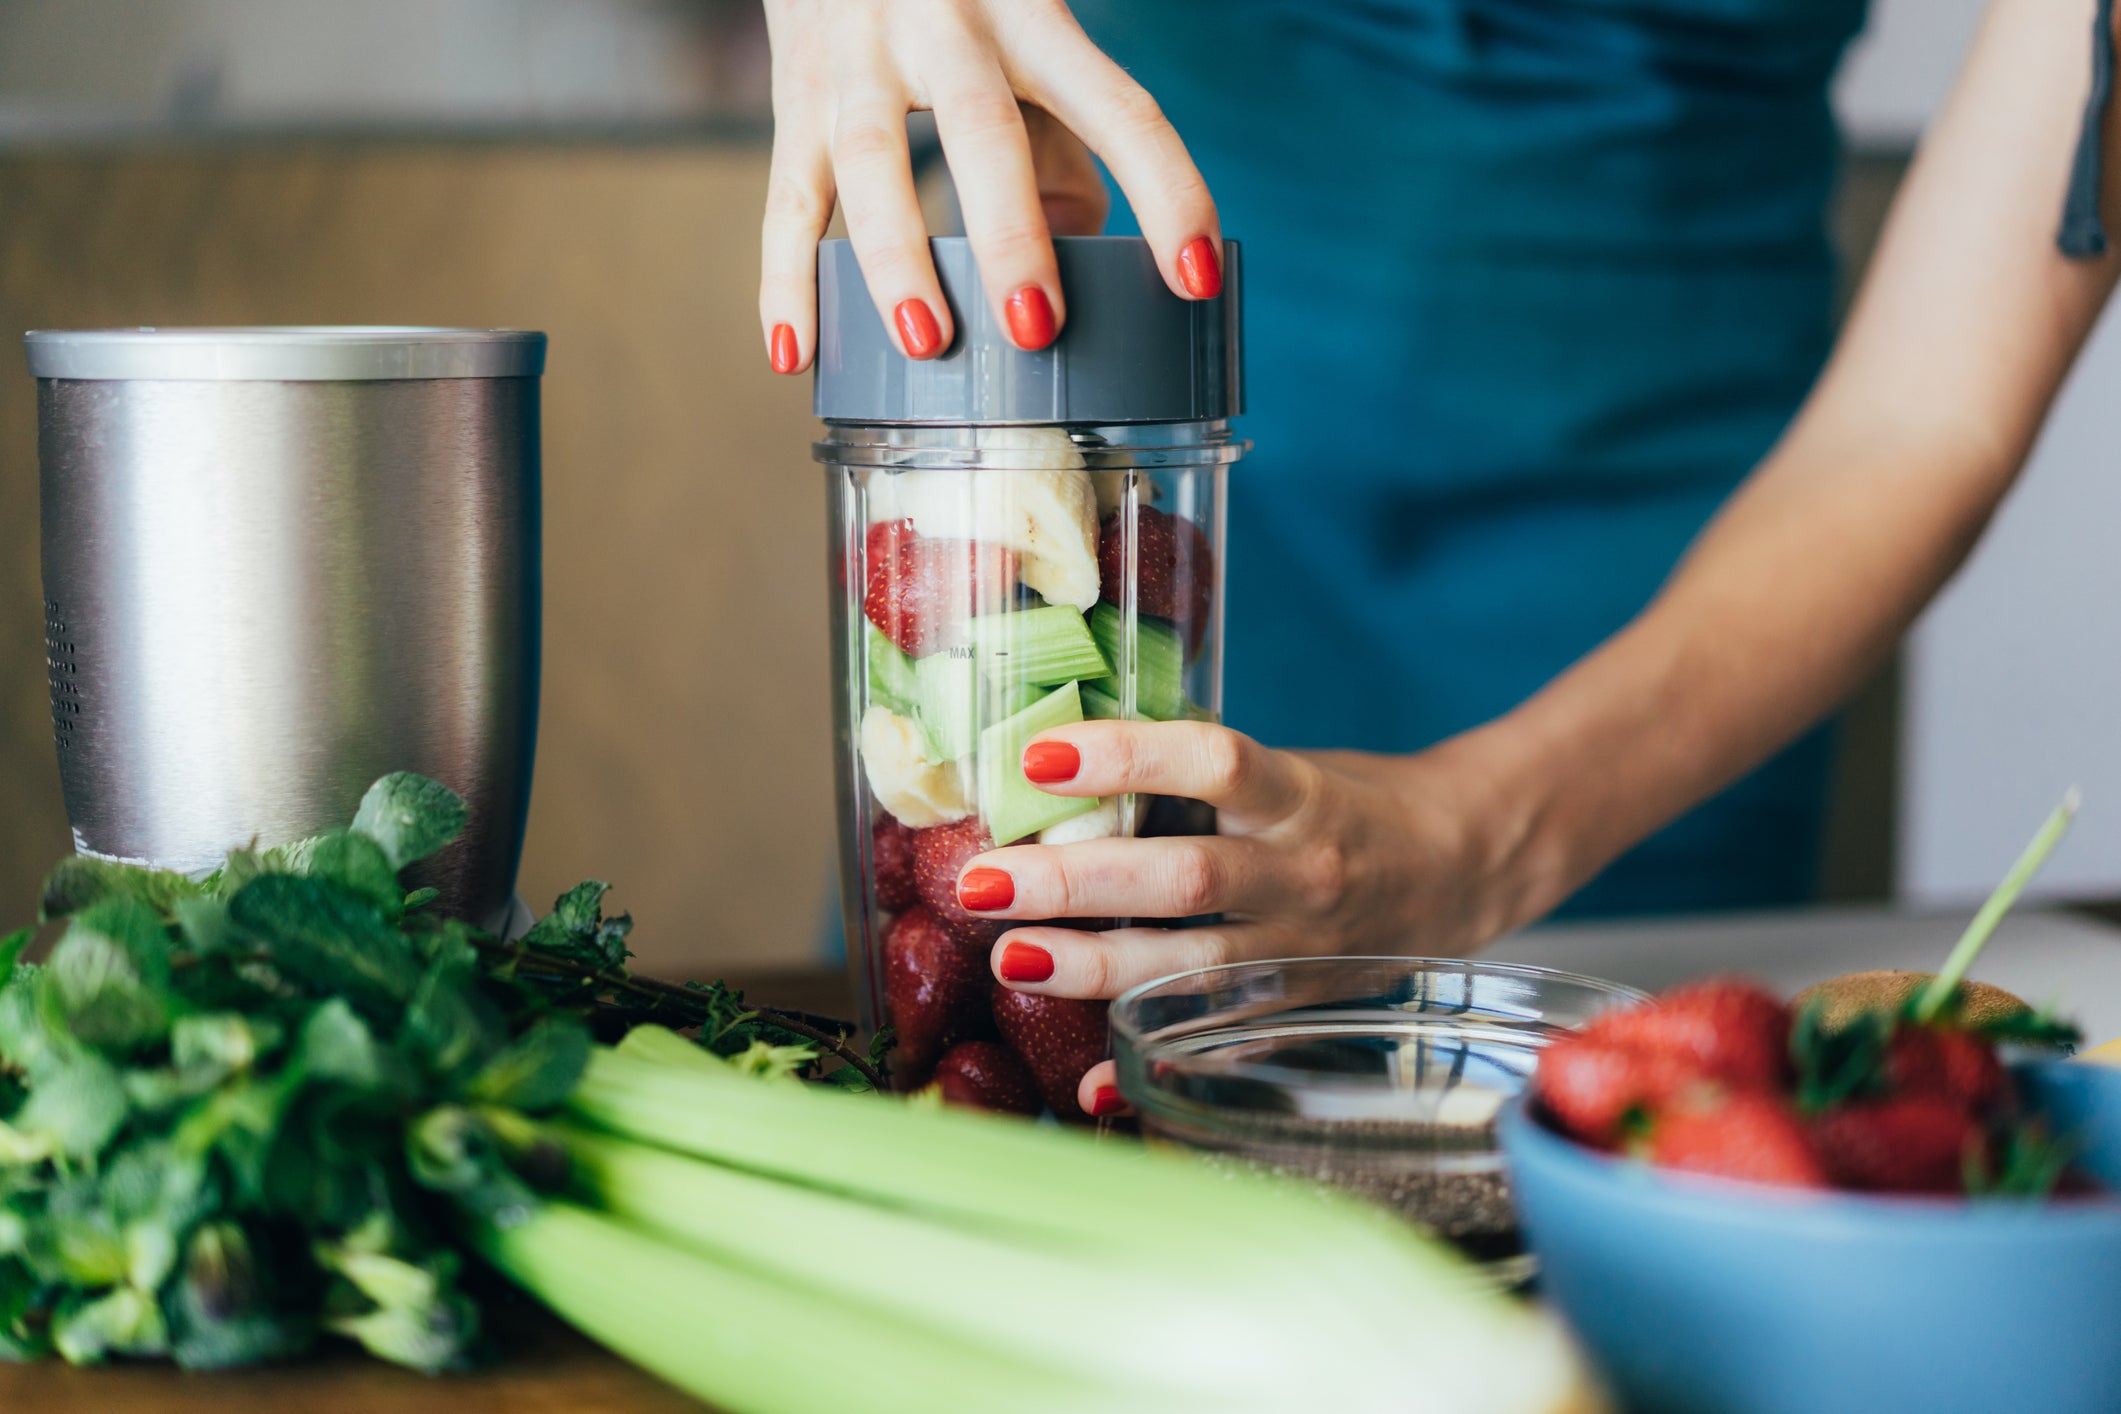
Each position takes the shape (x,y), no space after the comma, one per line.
(240,1112)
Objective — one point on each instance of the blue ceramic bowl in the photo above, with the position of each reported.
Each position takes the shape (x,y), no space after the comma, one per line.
(1695,1294)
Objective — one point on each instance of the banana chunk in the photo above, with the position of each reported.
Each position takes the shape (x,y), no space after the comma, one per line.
(920,792)
(1100,824)
(1031,496)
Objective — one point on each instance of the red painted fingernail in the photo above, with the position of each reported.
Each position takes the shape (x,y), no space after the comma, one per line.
(917,326)
(1199,270)
(1048,763)
(1025,962)
(1030,318)
(986,890)
(786,352)
(1106,1101)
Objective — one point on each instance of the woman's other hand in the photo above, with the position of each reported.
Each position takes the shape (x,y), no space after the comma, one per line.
(1017,90)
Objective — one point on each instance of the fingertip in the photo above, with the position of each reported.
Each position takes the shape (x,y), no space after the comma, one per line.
(784,351)
(920,332)
(1200,268)
(1031,319)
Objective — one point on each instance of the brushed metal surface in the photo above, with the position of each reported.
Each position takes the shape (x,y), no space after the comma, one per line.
(260,596)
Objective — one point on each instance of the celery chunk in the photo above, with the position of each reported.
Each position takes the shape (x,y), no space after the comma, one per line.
(1015,808)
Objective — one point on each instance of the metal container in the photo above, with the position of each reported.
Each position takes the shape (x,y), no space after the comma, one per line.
(279,563)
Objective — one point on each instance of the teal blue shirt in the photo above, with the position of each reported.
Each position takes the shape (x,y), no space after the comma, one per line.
(1530,286)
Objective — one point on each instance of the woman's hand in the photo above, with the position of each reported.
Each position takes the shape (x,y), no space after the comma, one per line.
(1317,852)
(1017,88)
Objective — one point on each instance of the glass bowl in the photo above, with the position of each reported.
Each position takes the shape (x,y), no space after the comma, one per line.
(1379,1075)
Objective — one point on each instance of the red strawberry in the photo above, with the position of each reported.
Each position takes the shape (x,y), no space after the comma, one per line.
(1060,1038)
(939,855)
(936,987)
(1731,1029)
(892,857)
(1910,1144)
(1591,1086)
(1174,569)
(987,1075)
(879,542)
(921,591)
(1946,1064)
(1748,1136)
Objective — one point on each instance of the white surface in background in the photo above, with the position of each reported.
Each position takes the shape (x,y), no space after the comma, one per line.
(2013,679)
(1898,73)
(2070,962)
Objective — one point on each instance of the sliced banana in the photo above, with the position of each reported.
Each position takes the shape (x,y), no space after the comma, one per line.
(1031,496)
(1100,824)
(920,792)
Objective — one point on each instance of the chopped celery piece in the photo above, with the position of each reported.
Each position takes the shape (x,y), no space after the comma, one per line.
(1159,662)
(1098,704)
(891,680)
(946,703)
(1012,805)
(1045,646)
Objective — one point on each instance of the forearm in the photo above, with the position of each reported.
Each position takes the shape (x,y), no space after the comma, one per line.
(1885,480)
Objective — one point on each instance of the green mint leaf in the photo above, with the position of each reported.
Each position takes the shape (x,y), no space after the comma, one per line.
(420,898)
(333,940)
(578,931)
(123,1321)
(11,948)
(77,1102)
(337,1045)
(450,1025)
(204,925)
(538,1070)
(355,862)
(23,1334)
(26,1037)
(224,1040)
(223,1306)
(410,816)
(81,880)
(107,982)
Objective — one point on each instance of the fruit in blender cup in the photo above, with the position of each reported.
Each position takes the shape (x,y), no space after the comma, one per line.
(1174,568)
(1099,824)
(1011,805)
(1060,1038)
(893,681)
(1159,663)
(987,1075)
(1030,494)
(936,985)
(1044,647)
(891,854)
(918,789)
(939,856)
(925,591)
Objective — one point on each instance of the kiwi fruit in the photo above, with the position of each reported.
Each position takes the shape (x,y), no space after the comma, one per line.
(1854,993)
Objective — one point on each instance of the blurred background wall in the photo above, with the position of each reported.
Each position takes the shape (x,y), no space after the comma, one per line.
(594,168)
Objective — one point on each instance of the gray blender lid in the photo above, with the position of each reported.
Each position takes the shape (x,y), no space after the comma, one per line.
(1131,350)
(292,354)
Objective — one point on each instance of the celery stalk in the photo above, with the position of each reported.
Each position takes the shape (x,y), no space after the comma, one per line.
(1182,1285)
(751,1342)
(1153,1326)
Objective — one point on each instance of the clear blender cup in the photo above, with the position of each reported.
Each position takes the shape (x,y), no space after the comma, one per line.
(1019,540)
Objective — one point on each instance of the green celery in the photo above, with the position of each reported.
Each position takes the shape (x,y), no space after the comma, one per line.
(946,703)
(1158,662)
(1012,806)
(891,678)
(1044,647)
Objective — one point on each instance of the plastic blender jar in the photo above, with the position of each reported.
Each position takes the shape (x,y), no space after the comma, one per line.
(1019,540)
